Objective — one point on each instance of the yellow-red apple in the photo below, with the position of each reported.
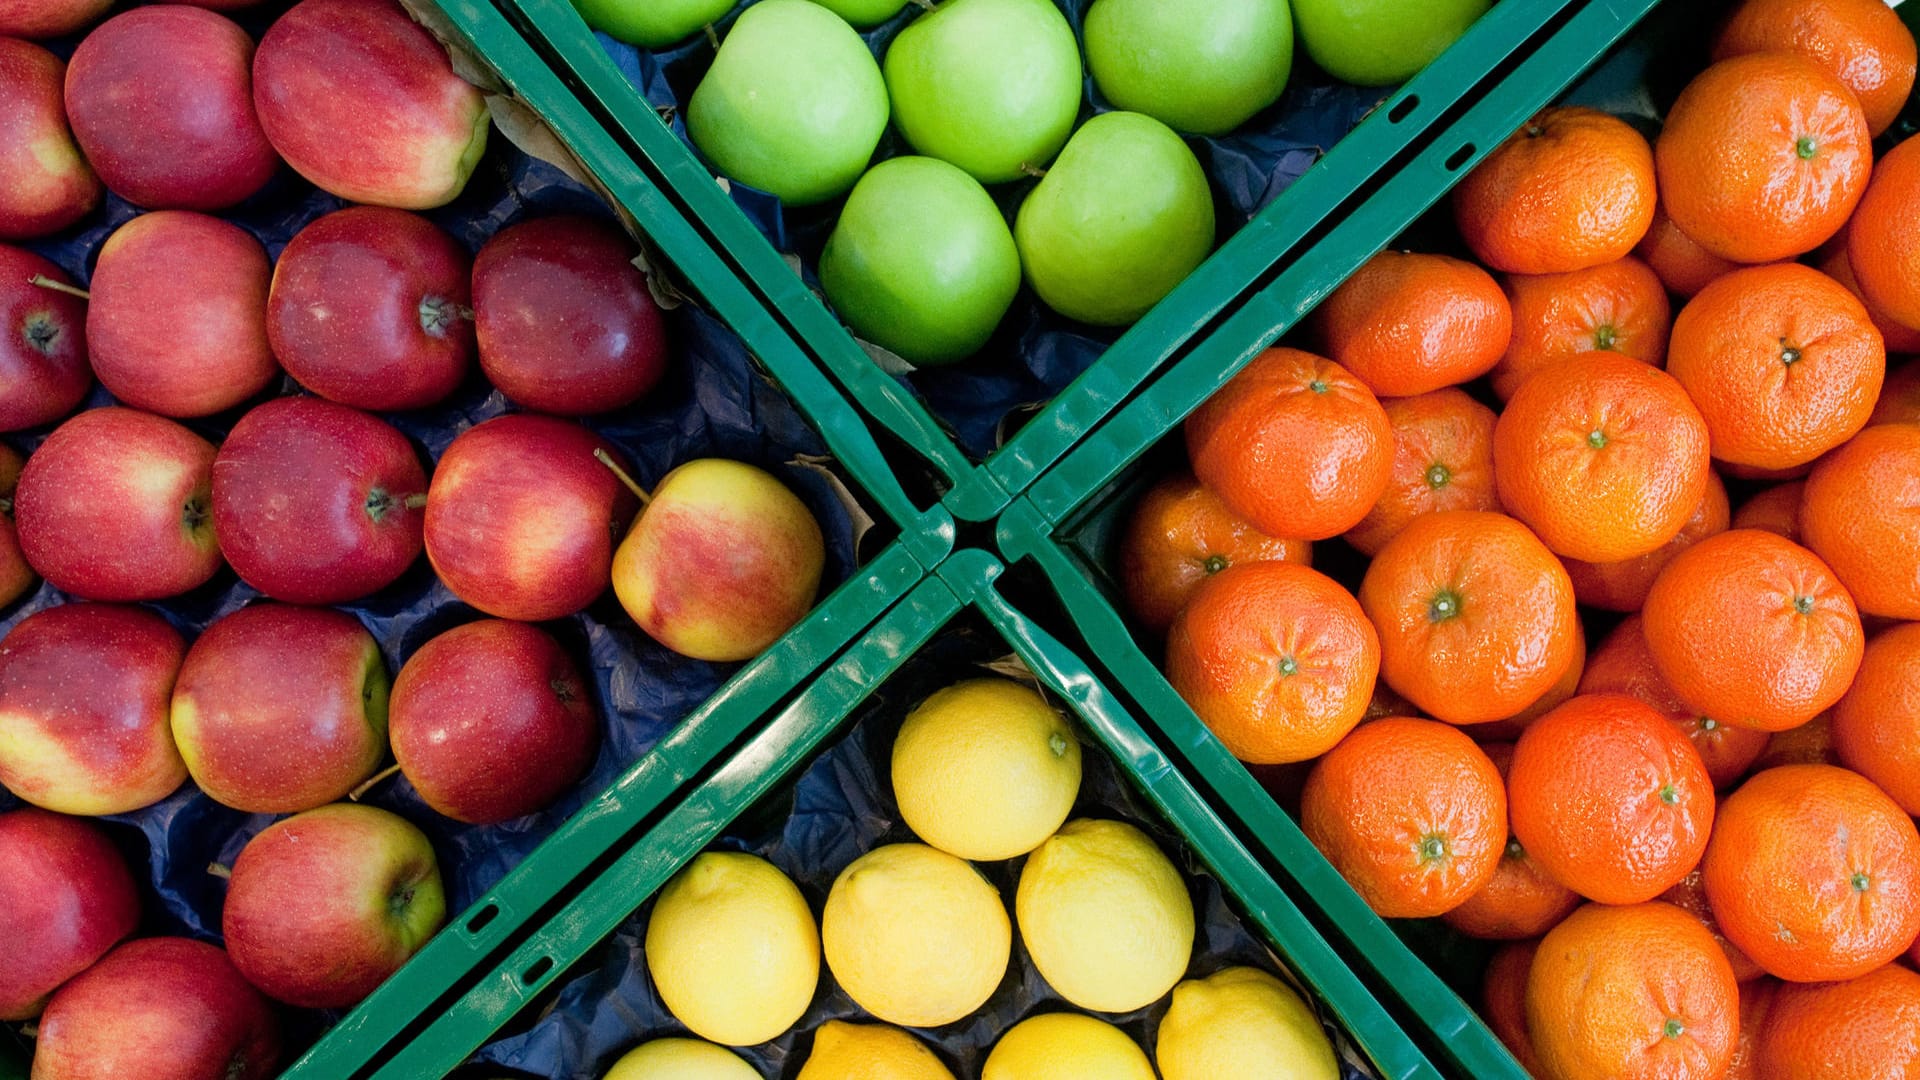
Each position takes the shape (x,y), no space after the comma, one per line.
(44,373)
(66,897)
(45,185)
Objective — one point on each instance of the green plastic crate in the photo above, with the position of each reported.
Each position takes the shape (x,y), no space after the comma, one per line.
(967,583)
(1408,120)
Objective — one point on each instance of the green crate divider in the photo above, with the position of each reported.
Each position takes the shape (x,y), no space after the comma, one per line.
(978,492)
(789,740)
(487,36)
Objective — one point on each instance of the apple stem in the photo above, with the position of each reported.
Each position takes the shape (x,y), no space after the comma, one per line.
(632,485)
(368,785)
(713,36)
(220,870)
(417,500)
(46,282)
(1033,171)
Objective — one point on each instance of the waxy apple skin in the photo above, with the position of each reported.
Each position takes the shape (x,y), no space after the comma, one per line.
(651,24)
(40,19)
(1204,67)
(44,374)
(117,505)
(161,101)
(160,1008)
(721,562)
(317,503)
(566,323)
(363,102)
(492,721)
(83,709)
(280,709)
(16,575)
(178,320)
(66,897)
(325,905)
(371,307)
(45,185)
(522,519)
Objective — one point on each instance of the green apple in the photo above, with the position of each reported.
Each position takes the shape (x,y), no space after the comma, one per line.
(1203,66)
(921,262)
(793,103)
(651,24)
(1119,220)
(992,86)
(864,12)
(1381,42)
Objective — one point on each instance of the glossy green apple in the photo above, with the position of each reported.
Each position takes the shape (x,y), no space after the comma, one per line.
(921,262)
(992,86)
(1381,42)
(651,24)
(864,12)
(1118,221)
(793,104)
(1202,66)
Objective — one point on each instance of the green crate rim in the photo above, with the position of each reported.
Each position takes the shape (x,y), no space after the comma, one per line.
(978,492)
(792,737)
(1084,481)
(452,957)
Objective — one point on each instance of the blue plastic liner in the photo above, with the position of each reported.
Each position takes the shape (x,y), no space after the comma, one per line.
(839,808)
(712,403)
(1035,353)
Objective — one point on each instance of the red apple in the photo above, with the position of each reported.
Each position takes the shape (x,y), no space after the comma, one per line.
(362,101)
(280,709)
(45,185)
(16,576)
(66,897)
(371,307)
(316,503)
(325,905)
(165,1008)
(116,505)
(522,519)
(43,356)
(161,100)
(178,320)
(566,323)
(48,18)
(83,708)
(492,721)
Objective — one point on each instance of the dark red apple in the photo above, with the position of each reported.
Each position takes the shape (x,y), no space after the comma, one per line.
(316,503)
(362,101)
(161,100)
(566,323)
(117,505)
(16,576)
(84,691)
(45,185)
(164,1008)
(325,905)
(280,709)
(371,307)
(178,320)
(43,358)
(522,519)
(492,721)
(66,897)
(48,18)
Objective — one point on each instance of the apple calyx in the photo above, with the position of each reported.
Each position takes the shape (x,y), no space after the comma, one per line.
(564,690)
(400,900)
(379,504)
(196,514)
(41,332)
(438,314)
(626,478)
(45,282)
(239,1067)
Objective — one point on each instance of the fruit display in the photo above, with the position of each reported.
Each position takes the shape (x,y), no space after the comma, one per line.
(330,426)
(988,193)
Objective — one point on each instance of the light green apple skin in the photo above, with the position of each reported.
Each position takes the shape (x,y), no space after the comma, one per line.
(992,86)
(1201,66)
(793,104)
(921,263)
(1119,220)
(1381,42)
(864,13)
(651,24)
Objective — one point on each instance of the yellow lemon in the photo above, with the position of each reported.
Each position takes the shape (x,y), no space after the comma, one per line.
(917,937)
(843,1051)
(1067,1046)
(733,949)
(1243,1023)
(680,1059)
(985,770)
(1105,916)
